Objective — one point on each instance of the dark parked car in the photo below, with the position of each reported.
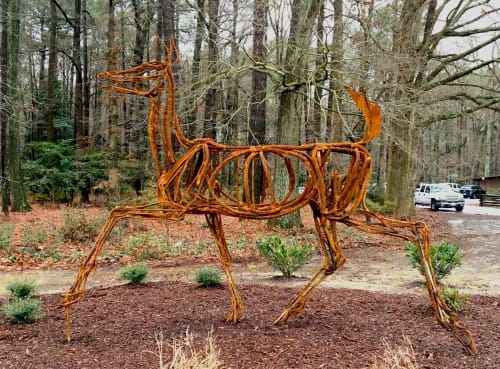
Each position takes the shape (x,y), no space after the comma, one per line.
(472,191)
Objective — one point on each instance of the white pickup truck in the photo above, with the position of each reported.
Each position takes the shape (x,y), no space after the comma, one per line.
(438,196)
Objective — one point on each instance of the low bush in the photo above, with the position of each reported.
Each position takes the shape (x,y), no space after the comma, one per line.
(208,277)
(21,289)
(78,226)
(135,273)
(33,236)
(148,246)
(444,258)
(6,231)
(455,300)
(284,257)
(23,310)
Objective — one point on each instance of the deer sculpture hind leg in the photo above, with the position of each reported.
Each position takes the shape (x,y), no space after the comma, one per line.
(418,233)
(89,264)
(214,222)
(333,259)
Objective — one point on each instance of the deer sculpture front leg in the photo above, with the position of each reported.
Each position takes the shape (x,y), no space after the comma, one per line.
(418,233)
(89,264)
(214,222)
(333,259)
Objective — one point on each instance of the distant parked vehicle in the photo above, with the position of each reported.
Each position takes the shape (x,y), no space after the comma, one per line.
(454,186)
(438,196)
(472,191)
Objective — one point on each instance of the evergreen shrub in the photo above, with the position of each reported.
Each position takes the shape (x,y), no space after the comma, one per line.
(282,256)
(23,310)
(455,300)
(21,289)
(444,258)
(135,273)
(208,277)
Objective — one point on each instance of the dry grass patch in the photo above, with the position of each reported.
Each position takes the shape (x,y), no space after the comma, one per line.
(396,357)
(185,355)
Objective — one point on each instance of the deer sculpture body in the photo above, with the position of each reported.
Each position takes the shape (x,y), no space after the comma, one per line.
(189,185)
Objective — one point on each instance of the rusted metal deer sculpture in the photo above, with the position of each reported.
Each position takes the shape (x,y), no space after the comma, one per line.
(189,185)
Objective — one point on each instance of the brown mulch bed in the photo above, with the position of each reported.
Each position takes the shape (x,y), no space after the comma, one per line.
(340,328)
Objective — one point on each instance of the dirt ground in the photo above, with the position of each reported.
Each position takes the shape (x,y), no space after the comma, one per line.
(374,300)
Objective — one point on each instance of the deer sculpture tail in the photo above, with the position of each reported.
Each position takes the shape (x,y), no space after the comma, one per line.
(371,113)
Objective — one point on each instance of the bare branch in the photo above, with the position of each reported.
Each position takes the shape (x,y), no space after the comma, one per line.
(461,56)
(461,74)
(448,116)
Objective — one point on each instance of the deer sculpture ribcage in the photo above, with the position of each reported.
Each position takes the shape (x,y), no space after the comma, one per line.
(190,185)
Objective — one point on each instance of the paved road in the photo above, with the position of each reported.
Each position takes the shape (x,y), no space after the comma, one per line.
(472,207)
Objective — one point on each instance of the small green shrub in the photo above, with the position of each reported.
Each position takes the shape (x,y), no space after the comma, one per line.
(444,258)
(455,300)
(23,311)
(33,236)
(79,226)
(208,277)
(148,246)
(135,273)
(21,289)
(284,222)
(380,206)
(287,258)
(6,231)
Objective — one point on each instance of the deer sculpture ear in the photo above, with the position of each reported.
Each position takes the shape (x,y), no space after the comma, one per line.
(371,112)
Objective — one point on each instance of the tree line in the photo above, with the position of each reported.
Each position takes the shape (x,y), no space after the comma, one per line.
(249,72)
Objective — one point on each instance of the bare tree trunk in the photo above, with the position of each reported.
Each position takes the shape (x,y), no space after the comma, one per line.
(142,21)
(210,119)
(233,92)
(487,146)
(137,134)
(112,104)
(313,127)
(304,15)
(81,140)
(335,132)
(168,20)
(51,74)
(18,195)
(195,69)
(257,118)
(4,65)
(85,70)
(401,168)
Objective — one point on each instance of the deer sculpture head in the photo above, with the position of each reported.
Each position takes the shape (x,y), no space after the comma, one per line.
(154,81)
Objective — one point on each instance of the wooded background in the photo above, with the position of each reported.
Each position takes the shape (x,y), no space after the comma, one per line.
(249,72)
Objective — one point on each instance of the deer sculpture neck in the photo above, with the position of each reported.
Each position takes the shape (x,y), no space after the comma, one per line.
(156,82)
